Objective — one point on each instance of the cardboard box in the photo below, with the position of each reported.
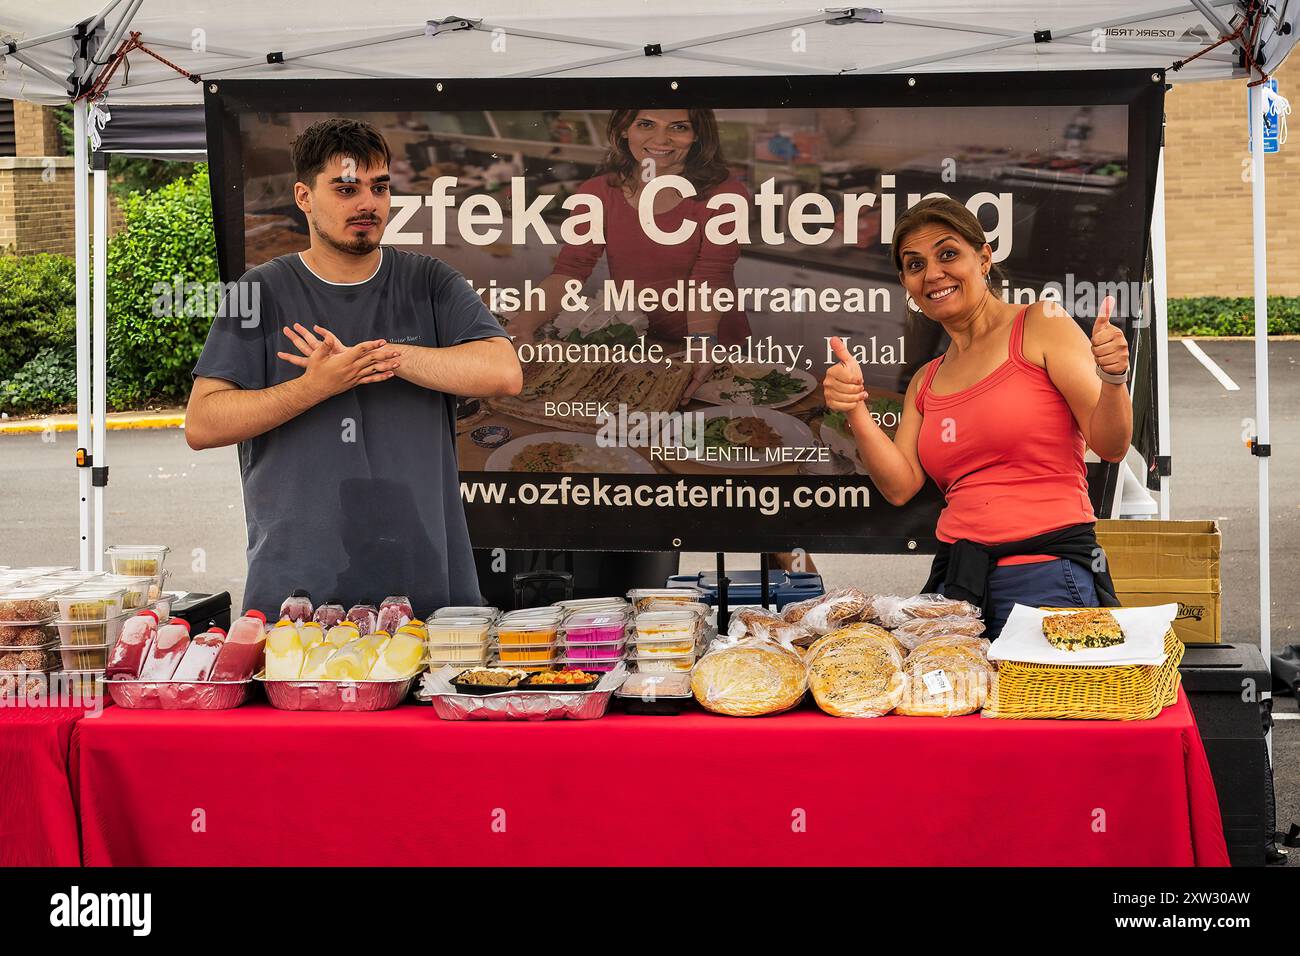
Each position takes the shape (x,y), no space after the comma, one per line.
(1167,562)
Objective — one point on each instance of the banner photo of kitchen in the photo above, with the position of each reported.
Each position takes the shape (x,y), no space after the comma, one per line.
(673,274)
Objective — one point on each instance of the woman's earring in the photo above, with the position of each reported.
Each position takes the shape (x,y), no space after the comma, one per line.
(911,304)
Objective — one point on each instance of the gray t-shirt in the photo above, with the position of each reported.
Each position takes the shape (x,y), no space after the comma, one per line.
(358,497)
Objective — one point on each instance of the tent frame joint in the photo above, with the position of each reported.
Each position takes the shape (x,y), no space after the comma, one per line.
(447,25)
(849,15)
(653,49)
(1260,449)
(99,477)
(1042,36)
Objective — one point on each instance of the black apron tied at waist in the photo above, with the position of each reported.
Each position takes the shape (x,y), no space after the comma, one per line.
(963,567)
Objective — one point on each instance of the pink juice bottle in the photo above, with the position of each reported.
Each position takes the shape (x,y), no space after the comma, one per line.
(169,646)
(241,654)
(132,643)
(327,615)
(394,613)
(297,607)
(200,656)
(365,617)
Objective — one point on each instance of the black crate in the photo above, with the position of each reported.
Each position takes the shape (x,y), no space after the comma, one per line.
(1223,683)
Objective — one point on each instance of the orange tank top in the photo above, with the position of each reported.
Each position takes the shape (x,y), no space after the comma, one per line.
(1006,452)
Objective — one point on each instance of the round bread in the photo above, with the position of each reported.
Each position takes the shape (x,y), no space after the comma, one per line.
(855,674)
(968,673)
(749,680)
(921,629)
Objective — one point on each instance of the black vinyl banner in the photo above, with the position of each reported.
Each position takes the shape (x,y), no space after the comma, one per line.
(673,257)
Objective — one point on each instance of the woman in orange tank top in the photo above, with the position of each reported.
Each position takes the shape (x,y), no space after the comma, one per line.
(1000,422)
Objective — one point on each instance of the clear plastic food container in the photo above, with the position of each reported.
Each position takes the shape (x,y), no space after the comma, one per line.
(528,653)
(670,647)
(27,605)
(35,659)
(595,627)
(82,633)
(22,634)
(577,605)
(138,590)
(641,596)
(137,560)
(85,657)
(457,653)
(600,665)
(649,685)
(666,626)
(600,651)
(541,615)
(90,603)
(527,632)
(701,611)
(458,630)
(664,663)
(467,610)
(464,654)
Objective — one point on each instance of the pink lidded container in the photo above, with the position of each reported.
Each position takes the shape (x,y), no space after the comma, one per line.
(611,650)
(595,627)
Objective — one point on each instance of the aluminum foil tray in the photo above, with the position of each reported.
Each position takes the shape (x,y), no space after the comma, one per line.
(336,695)
(177,695)
(517,704)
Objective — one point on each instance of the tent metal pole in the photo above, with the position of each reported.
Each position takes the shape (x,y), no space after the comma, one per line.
(81,240)
(1160,308)
(1261,449)
(244,55)
(1021,38)
(33,65)
(100,17)
(99,338)
(109,46)
(44,38)
(1174,51)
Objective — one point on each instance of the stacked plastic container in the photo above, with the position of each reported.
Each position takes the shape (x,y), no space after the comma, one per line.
(529,639)
(595,636)
(28,637)
(458,639)
(667,630)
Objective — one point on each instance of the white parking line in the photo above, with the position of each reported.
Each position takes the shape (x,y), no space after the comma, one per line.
(1214,369)
(1275,716)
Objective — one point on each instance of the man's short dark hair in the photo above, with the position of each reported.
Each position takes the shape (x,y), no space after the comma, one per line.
(321,142)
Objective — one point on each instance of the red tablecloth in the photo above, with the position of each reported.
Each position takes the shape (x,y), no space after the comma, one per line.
(264,787)
(38,820)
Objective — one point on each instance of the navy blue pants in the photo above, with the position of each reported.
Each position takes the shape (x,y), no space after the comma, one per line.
(1056,583)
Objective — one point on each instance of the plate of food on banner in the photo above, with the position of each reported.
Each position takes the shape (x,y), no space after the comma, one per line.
(571,452)
(741,438)
(886,409)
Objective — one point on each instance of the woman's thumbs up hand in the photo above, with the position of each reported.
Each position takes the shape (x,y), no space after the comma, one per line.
(1109,349)
(842,386)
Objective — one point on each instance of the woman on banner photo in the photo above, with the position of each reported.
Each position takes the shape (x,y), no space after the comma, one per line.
(1000,422)
(644,144)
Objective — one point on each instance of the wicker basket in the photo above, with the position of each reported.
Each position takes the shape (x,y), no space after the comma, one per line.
(1023,691)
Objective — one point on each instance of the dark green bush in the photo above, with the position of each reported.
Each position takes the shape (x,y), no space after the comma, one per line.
(1218,315)
(46,383)
(37,308)
(168,234)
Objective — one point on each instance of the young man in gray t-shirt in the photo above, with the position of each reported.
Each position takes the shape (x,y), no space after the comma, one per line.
(340,393)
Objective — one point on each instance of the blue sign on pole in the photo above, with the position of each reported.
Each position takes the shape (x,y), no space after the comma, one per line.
(1270,124)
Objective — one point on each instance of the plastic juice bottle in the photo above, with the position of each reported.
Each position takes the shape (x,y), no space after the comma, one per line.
(341,634)
(347,663)
(311,634)
(365,617)
(169,646)
(369,651)
(377,642)
(284,652)
(241,655)
(327,615)
(314,661)
(199,657)
(297,607)
(132,644)
(400,657)
(415,627)
(394,612)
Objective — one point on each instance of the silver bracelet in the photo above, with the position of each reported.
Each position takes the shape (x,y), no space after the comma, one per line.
(1114,378)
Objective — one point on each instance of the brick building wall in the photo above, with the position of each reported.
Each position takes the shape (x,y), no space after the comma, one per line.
(1207,191)
(37,195)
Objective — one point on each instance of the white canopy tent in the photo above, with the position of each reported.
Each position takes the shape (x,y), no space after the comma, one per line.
(57,50)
